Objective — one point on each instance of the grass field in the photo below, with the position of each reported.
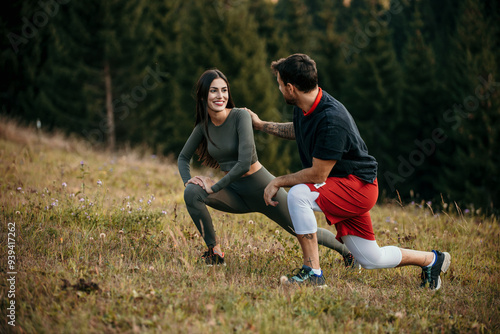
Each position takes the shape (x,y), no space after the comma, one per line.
(102,243)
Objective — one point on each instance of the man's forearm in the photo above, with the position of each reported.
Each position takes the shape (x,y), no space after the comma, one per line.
(303,176)
(282,130)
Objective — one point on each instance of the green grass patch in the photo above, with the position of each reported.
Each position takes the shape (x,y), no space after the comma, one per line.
(104,244)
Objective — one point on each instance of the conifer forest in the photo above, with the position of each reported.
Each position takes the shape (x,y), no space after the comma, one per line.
(421,78)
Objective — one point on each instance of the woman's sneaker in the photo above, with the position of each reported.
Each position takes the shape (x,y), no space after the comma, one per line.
(431,275)
(210,257)
(304,276)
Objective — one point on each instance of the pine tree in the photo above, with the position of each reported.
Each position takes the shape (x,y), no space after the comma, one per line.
(296,25)
(160,119)
(269,28)
(373,89)
(22,57)
(418,119)
(473,175)
(90,54)
(327,51)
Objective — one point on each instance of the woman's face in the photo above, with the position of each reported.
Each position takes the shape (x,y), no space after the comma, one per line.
(218,94)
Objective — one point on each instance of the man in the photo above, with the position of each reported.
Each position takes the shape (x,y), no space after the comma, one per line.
(339,178)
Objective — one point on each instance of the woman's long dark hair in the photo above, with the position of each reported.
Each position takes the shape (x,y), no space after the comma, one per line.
(202,89)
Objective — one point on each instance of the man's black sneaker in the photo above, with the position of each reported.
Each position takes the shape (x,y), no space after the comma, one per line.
(351,263)
(431,275)
(348,260)
(212,258)
(304,276)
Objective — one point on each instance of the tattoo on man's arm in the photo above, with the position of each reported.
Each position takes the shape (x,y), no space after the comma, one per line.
(307,236)
(282,130)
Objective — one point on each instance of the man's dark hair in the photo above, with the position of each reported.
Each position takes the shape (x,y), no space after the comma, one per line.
(299,70)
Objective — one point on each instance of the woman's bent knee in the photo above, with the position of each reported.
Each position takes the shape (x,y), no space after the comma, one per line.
(194,193)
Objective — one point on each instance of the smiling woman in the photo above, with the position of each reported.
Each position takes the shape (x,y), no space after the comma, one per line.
(223,138)
(217,101)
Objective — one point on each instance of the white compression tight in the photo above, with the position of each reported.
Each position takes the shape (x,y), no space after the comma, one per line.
(302,204)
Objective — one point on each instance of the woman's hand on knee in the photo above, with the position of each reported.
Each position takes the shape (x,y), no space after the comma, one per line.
(205,182)
(195,180)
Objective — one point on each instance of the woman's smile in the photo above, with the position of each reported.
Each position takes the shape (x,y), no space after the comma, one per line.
(218,95)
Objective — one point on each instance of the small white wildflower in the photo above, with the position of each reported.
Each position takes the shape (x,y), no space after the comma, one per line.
(102,235)
(64,184)
(19,188)
(251,222)
(99,182)
(82,199)
(18,213)
(277,232)
(149,202)
(120,231)
(164,212)
(91,239)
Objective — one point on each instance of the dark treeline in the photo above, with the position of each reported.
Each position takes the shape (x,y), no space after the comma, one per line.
(421,78)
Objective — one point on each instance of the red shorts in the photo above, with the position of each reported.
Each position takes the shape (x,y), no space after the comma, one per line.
(346,202)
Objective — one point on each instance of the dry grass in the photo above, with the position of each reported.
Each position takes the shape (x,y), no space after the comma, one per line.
(133,244)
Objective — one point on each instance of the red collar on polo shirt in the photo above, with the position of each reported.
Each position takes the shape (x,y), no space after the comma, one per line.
(315,104)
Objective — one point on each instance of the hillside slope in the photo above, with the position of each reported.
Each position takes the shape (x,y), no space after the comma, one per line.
(102,243)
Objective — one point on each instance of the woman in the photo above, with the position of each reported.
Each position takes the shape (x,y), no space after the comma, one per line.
(223,138)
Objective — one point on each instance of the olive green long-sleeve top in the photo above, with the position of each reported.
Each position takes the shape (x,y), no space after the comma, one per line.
(234,147)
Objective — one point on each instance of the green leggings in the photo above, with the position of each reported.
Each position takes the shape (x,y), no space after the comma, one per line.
(243,196)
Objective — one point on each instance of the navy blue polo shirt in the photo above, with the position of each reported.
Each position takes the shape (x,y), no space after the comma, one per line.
(328,132)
